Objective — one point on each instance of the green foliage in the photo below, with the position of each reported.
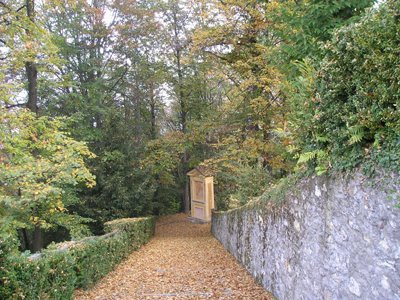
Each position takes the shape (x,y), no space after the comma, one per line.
(41,167)
(277,192)
(49,277)
(238,98)
(55,273)
(124,189)
(162,162)
(125,236)
(109,81)
(241,184)
(304,25)
(348,111)
(19,47)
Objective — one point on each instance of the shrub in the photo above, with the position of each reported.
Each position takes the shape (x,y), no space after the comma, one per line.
(56,272)
(350,109)
(237,186)
(123,237)
(49,277)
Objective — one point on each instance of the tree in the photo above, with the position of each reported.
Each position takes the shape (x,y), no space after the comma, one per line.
(254,107)
(350,104)
(25,46)
(41,167)
(25,42)
(301,27)
(179,18)
(31,69)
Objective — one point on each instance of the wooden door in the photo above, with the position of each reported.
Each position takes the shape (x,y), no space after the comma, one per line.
(198,198)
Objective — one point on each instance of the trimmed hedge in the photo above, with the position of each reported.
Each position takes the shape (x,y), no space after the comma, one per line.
(56,273)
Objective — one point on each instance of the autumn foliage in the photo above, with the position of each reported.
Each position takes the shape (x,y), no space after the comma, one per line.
(125,97)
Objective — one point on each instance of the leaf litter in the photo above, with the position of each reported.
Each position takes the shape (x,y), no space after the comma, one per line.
(182,261)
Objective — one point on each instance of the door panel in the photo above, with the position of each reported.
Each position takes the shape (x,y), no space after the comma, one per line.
(199,212)
(198,191)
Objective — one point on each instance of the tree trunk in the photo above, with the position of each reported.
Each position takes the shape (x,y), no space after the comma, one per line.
(185,187)
(32,104)
(31,73)
(182,104)
(178,57)
(31,70)
(23,237)
(187,198)
(183,109)
(153,129)
(37,242)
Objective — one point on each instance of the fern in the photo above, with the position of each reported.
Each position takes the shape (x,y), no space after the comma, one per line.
(322,139)
(292,149)
(356,134)
(307,156)
(320,155)
(321,170)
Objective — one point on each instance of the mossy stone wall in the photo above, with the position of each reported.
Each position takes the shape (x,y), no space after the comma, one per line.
(323,238)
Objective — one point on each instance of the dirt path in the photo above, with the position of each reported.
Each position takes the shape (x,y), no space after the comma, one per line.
(182,261)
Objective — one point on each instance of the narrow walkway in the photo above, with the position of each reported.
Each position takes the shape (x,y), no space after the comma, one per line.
(182,261)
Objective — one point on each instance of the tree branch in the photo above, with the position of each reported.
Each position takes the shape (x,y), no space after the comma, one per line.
(218,56)
(4,5)
(21,8)
(119,79)
(15,105)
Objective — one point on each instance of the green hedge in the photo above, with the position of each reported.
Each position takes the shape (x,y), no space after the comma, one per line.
(56,273)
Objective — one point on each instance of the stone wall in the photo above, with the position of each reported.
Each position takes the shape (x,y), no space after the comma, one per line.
(324,238)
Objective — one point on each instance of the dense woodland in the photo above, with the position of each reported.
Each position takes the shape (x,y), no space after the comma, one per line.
(106,105)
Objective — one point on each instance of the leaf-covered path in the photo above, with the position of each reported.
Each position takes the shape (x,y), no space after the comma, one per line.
(182,261)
